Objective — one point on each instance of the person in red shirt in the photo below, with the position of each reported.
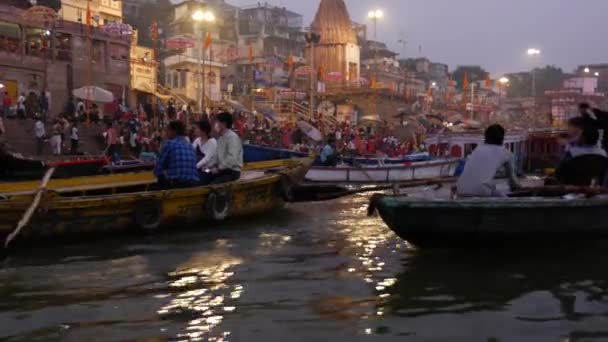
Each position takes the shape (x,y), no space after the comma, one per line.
(112,142)
(7,103)
(371,146)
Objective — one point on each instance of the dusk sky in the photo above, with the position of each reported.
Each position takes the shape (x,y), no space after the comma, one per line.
(492,33)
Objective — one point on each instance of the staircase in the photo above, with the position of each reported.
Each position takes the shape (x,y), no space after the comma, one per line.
(286,108)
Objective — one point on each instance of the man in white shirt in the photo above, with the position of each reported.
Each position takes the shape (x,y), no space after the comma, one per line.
(40,133)
(229,151)
(74,138)
(482,166)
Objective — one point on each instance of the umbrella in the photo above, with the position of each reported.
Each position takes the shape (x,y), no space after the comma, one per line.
(94,94)
(310,131)
(237,106)
(268,112)
(117,29)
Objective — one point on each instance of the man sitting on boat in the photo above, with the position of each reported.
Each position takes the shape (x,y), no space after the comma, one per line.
(328,153)
(229,151)
(585,162)
(205,146)
(176,165)
(483,165)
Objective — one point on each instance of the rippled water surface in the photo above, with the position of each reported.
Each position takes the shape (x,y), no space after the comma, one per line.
(311,272)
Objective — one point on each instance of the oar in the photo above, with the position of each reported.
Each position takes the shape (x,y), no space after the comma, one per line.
(27,216)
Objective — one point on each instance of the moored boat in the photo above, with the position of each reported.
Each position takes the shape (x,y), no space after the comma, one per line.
(480,221)
(255,153)
(103,204)
(15,166)
(386,174)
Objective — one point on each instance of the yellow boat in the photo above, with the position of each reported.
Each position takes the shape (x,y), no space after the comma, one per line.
(120,202)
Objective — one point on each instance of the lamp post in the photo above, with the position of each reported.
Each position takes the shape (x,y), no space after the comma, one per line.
(503,83)
(201,17)
(375,15)
(533,53)
(312,39)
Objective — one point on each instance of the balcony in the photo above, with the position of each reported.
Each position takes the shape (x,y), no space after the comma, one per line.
(180,60)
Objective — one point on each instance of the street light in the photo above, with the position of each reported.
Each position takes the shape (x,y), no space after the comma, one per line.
(587,70)
(503,83)
(597,74)
(533,52)
(200,17)
(375,15)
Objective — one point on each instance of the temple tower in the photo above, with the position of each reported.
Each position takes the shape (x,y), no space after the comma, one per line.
(338,54)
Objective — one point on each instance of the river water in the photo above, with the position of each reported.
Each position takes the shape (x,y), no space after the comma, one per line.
(310,272)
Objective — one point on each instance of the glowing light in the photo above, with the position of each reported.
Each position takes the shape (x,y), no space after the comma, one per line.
(586,70)
(377,14)
(533,52)
(207,16)
(503,80)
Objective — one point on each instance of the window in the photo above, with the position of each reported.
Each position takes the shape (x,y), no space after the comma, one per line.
(183,75)
(175,80)
(10,37)
(63,47)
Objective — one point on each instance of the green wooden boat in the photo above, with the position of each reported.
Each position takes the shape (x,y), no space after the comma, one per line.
(476,221)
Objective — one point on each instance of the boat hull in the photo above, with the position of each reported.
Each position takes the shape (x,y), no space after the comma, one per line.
(387,174)
(254,153)
(497,221)
(62,214)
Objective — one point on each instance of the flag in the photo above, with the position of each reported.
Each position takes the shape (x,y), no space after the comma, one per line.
(465,87)
(290,61)
(208,41)
(155,30)
(250,50)
(488,82)
(88,18)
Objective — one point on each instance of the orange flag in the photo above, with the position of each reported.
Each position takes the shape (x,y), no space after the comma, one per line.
(208,41)
(290,61)
(88,18)
(465,82)
(250,50)
(155,30)
(488,82)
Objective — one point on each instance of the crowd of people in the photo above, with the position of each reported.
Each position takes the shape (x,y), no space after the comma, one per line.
(584,160)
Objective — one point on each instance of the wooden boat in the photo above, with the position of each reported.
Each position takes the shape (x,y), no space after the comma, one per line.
(14,166)
(386,174)
(464,222)
(103,204)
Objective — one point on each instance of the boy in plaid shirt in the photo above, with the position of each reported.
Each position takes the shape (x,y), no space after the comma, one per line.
(176,165)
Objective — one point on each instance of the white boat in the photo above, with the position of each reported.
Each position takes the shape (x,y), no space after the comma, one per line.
(461,145)
(385,174)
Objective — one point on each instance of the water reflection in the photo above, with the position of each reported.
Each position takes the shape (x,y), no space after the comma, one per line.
(202,294)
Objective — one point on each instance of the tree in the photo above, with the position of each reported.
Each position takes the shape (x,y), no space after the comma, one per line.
(474,73)
(547,78)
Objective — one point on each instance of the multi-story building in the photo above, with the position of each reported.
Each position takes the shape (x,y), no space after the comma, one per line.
(131,8)
(564,101)
(600,71)
(188,72)
(59,58)
(380,66)
(102,11)
(144,73)
(261,38)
